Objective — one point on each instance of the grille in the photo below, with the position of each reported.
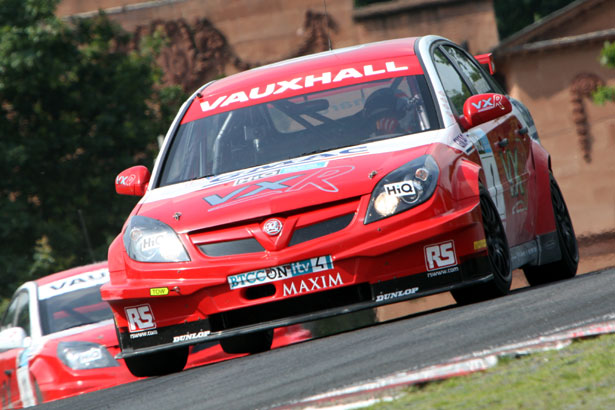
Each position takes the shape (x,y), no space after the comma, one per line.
(320,229)
(249,245)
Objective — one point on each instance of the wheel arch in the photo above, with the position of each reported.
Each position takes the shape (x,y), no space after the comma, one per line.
(544,217)
(466,180)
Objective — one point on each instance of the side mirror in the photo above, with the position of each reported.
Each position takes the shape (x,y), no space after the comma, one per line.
(486,60)
(12,338)
(478,109)
(133,181)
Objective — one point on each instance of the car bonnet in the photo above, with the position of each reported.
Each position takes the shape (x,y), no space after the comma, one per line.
(277,188)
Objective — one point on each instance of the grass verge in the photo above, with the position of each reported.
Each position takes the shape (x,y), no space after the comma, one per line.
(580,376)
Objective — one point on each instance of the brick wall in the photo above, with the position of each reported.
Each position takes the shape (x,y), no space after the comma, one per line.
(266,30)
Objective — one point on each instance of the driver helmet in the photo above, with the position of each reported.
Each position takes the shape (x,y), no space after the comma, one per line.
(384,108)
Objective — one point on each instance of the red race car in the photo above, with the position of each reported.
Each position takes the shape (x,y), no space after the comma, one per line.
(329,184)
(58,340)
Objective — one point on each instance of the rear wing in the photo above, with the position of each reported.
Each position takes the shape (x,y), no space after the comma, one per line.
(486,60)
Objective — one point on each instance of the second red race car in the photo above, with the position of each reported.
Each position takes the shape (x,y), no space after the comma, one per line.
(57,340)
(329,184)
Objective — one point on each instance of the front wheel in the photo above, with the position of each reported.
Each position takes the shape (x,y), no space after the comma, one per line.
(499,257)
(566,267)
(159,363)
(249,343)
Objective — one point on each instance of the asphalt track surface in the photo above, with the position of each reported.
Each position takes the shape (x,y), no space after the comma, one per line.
(294,372)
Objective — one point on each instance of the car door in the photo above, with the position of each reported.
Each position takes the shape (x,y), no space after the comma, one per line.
(503,146)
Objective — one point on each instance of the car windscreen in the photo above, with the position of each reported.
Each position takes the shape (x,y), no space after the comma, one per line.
(300,125)
(77,308)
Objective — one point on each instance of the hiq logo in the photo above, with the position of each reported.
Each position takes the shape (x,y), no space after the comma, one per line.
(140,318)
(440,255)
(400,188)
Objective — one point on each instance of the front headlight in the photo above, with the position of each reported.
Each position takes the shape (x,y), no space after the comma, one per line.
(406,187)
(85,355)
(149,240)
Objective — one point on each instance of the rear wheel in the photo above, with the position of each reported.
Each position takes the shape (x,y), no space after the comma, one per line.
(566,267)
(249,343)
(499,257)
(159,363)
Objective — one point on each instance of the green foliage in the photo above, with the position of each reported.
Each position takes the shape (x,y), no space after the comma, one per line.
(75,110)
(4,303)
(607,58)
(512,16)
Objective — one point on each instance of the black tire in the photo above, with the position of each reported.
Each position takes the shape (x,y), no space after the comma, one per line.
(256,342)
(499,257)
(566,267)
(159,363)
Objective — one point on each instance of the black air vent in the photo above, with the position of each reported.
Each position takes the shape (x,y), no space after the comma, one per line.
(286,308)
(249,245)
(320,229)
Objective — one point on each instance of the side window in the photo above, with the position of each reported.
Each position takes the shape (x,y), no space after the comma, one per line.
(18,313)
(11,313)
(454,87)
(471,71)
(23,314)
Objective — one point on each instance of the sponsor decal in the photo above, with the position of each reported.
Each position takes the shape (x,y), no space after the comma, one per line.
(140,318)
(519,207)
(512,169)
(72,283)
(440,255)
(489,103)
(191,336)
(480,244)
(299,83)
(320,180)
(125,179)
(159,291)
(397,294)
(272,227)
(288,166)
(260,172)
(400,188)
(276,273)
(143,334)
(286,170)
(464,143)
(492,174)
(311,284)
(435,274)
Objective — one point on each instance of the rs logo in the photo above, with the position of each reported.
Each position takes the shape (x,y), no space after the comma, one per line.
(440,255)
(140,318)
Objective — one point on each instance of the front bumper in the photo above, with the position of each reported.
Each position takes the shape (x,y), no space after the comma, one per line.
(373,265)
(473,271)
